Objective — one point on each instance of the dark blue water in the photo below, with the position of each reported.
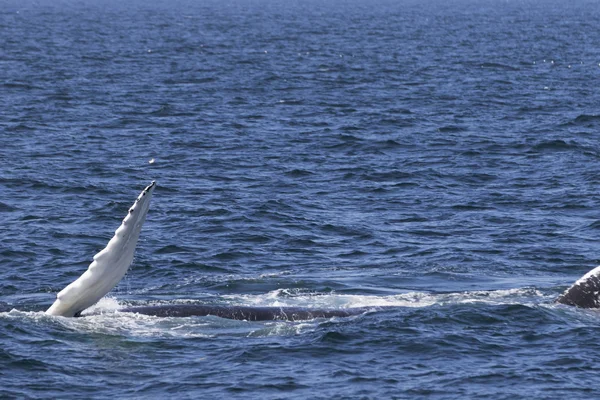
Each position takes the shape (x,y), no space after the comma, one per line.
(438,157)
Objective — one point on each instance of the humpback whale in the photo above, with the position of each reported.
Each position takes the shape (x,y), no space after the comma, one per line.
(585,292)
(110,265)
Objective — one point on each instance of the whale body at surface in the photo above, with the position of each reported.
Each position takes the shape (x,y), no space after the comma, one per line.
(111,264)
(245,313)
(583,293)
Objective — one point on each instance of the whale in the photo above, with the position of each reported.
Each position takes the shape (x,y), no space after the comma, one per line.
(108,266)
(112,263)
(584,293)
(245,313)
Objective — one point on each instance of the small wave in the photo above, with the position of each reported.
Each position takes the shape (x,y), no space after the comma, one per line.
(394,175)
(166,110)
(583,118)
(388,144)
(172,249)
(226,279)
(499,66)
(19,85)
(298,173)
(189,81)
(291,102)
(451,129)
(472,206)
(6,207)
(14,313)
(21,127)
(398,122)
(554,145)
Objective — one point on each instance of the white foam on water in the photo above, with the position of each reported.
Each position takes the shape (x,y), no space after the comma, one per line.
(293,298)
(105,318)
(113,322)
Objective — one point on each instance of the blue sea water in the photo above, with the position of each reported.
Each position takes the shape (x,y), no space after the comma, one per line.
(437,157)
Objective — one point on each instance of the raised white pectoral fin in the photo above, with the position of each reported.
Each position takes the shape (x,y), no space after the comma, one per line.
(109,265)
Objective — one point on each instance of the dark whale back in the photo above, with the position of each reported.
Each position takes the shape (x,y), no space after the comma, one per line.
(584,293)
(243,312)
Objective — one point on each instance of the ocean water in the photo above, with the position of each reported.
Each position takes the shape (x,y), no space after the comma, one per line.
(438,157)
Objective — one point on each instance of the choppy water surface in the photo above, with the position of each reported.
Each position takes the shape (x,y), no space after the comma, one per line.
(438,158)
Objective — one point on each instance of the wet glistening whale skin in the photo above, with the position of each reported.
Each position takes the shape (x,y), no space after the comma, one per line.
(583,293)
(110,265)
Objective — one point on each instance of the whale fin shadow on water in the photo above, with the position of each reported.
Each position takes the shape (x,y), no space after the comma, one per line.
(111,264)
